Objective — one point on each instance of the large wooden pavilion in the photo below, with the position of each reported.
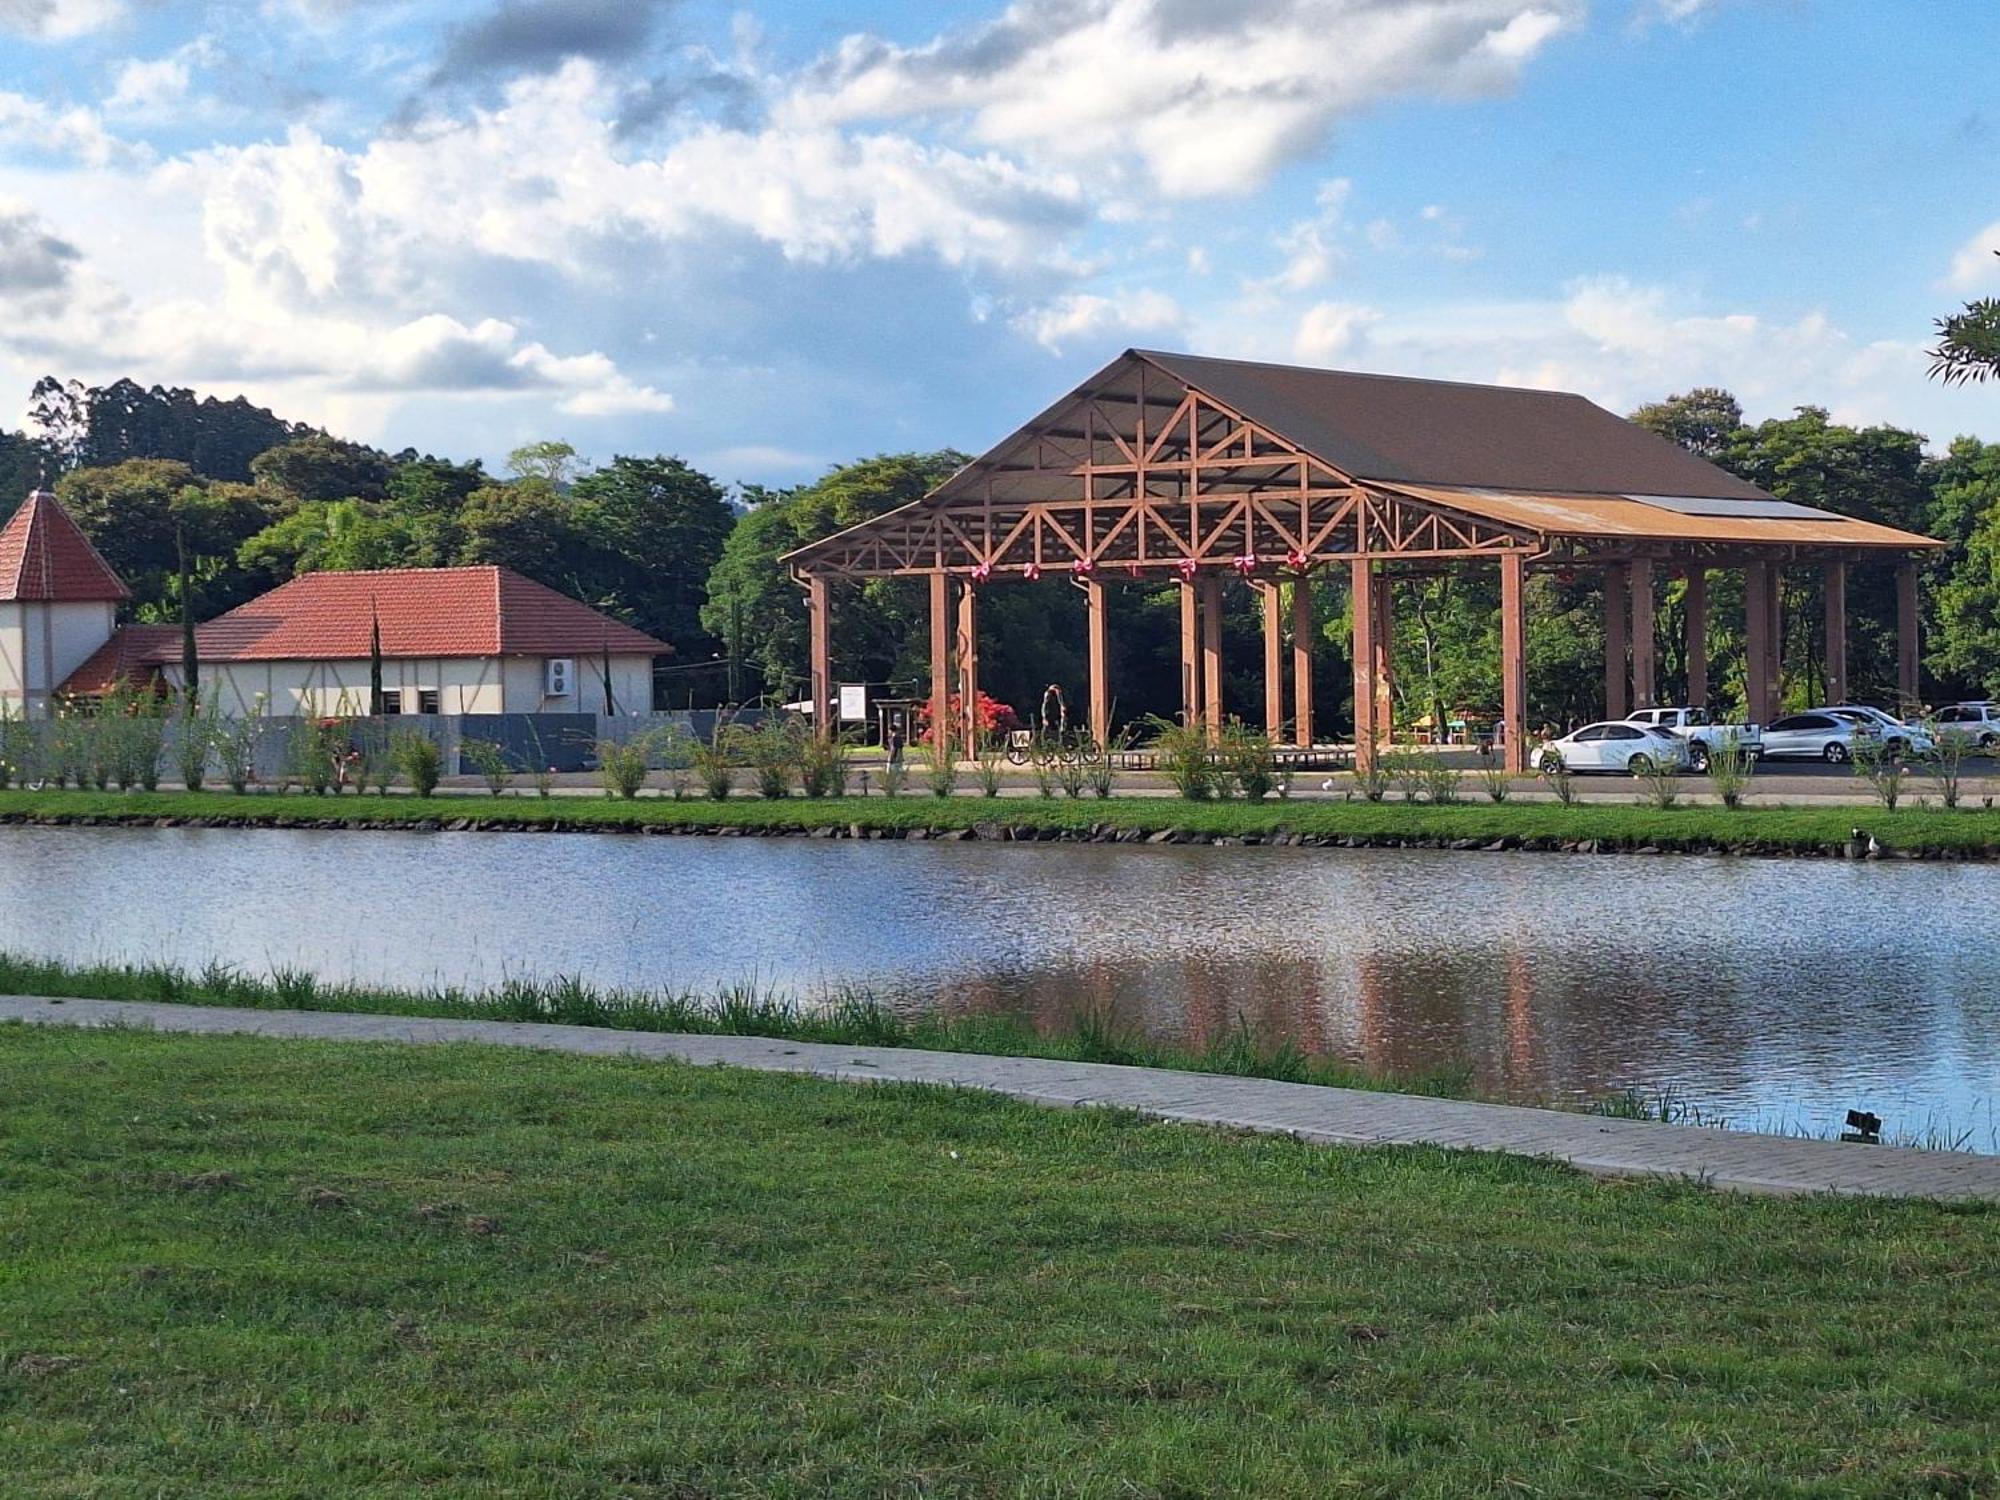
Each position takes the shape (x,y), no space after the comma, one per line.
(1173,466)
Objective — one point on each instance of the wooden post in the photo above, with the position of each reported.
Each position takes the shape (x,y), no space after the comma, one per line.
(968,668)
(1190,654)
(1644,675)
(1211,657)
(1362,573)
(1617,591)
(1100,664)
(1835,574)
(1696,601)
(820,669)
(1385,661)
(943,731)
(1907,685)
(1274,660)
(1513,661)
(1774,637)
(1757,640)
(1302,662)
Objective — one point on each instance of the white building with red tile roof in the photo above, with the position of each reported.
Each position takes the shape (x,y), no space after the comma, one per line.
(473,640)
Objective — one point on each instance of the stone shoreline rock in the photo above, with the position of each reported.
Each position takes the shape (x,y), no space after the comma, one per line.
(1001,832)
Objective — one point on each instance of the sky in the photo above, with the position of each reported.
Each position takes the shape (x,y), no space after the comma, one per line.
(772,237)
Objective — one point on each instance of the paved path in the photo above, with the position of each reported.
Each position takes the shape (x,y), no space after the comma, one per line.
(1349,1117)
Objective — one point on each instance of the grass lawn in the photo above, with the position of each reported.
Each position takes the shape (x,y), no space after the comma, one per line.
(1766,829)
(235,1266)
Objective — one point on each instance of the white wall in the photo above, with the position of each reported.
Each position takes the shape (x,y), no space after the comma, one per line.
(465,685)
(42,643)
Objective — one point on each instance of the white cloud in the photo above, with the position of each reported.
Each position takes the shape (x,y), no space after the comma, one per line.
(76,132)
(1085,317)
(59,20)
(1328,329)
(1976,266)
(155,88)
(1208,99)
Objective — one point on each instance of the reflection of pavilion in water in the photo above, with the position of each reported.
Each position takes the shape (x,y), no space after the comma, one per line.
(1394,1014)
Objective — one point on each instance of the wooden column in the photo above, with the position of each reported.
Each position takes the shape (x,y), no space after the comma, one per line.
(1906,636)
(1617,590)
(1190,654)
(1100,663)
(1774,637)
(1366,615)
(1697,636)
(1302,662)
(1644,674)
(1835,577)
(820,668)
(968,668)
(1211,657)
(1274,660)
(944,734)
(1385,660)
(1514,661)
(1757,641)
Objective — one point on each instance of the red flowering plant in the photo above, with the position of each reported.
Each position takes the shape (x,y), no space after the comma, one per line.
(993,717)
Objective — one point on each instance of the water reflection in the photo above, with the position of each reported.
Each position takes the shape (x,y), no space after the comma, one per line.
(1768,991)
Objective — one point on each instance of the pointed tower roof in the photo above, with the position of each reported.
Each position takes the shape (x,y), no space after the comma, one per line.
(46,558)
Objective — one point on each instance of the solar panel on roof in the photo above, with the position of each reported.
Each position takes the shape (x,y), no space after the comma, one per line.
(1748,510)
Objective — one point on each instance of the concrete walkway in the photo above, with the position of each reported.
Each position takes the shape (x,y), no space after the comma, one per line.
(1347,1117)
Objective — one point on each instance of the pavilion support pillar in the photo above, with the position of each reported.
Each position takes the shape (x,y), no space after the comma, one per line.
(1100,663)
(1190,654)
(1696,604)
(820,666)
(1774,637)
(1617,593)
(944,733)
(1835,578)
(1274,659)
(1644,674)
(1906,636)
(1211,657)
(968,668)
(1513,662)
(1384,638)
(1302,662)
(1757,641)
(1366,617)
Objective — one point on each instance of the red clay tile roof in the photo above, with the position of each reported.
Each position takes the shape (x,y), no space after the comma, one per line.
(132,656)
(44,557)
(424,612)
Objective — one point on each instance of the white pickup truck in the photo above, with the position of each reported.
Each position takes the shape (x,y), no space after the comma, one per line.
(1702,734)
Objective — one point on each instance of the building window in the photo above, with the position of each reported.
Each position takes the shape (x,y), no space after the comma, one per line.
(427,701)
(392,700)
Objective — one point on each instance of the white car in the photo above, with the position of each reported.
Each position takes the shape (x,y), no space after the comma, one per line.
(1979,722)
(1633,749)
(1899,738)
(1815,736)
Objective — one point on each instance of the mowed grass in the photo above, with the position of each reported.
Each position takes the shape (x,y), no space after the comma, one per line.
(236,1266)
(1613,825)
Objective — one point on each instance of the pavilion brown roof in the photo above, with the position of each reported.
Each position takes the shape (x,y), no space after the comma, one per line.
(46,558)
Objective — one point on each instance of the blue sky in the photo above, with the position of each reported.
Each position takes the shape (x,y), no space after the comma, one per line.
(773,237)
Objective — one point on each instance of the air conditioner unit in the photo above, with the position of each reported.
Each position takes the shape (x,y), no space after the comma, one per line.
(561,670)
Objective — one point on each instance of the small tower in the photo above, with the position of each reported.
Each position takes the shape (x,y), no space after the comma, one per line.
(58,602)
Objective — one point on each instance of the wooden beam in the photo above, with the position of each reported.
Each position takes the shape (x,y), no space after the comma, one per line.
(1274,661)
(968,668)
(944,734)
(1645,689)
(1513,664)
(1696,604)
(1835,579)
(1384,638)
(1100,663)
(1757,641)
(1907,684)
(820,668)
(1617,592)
(1211,656)
(1190,655)
(1302,662)
(1362,576)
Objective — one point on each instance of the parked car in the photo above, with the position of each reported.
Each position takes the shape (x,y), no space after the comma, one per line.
(1702,734)
(1633,749)
(1898,737)
(1815,736)
(1979,722)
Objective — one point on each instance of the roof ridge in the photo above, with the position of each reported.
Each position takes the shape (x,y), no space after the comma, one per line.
(1272,364)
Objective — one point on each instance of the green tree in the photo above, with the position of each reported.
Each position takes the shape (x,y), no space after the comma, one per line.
(1963,630)
(656,529)
(321,468)
(551,461)
(529,527)
(1704,421)
(1968,346)
(329,536)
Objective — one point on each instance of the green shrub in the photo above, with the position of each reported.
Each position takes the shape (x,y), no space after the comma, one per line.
(941,771)
(622,766)
(1249,760)
(489,759)
(1184,755)
(417,759)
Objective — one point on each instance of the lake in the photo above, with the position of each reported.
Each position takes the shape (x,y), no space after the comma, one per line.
(1774,993)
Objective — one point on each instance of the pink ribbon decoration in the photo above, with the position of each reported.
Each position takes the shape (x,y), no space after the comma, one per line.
(982,572)
(1032,571)
(1187,567)
(1246,564)
(1083,567)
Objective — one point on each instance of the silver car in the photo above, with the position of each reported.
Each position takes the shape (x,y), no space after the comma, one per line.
(1821,735)
(1633,749)
(1978,722)
(1898,737)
